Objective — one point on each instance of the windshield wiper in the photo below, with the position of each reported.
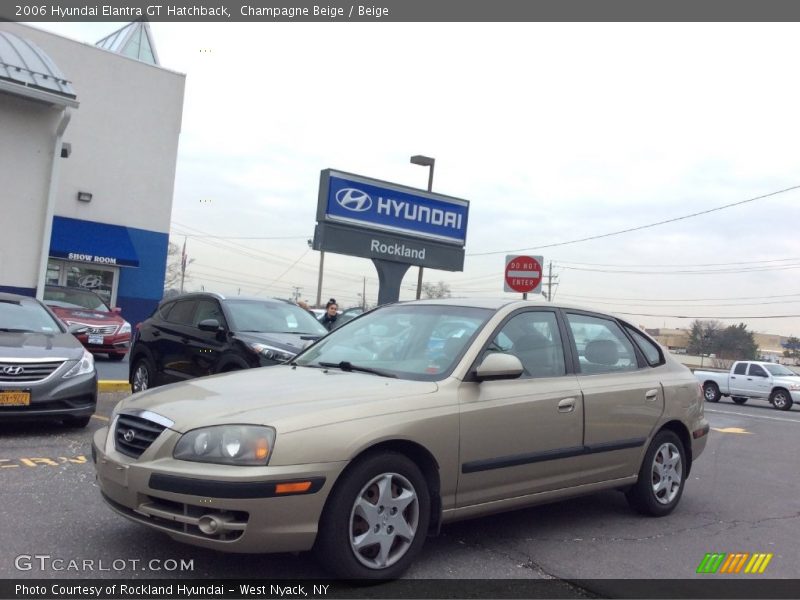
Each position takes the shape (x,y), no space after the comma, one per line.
(12,330)
(348,366)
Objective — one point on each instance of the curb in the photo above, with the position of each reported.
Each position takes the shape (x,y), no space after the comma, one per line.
(113,386)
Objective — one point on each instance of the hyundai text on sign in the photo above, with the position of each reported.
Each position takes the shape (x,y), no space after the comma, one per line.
(362,202)
(523,274)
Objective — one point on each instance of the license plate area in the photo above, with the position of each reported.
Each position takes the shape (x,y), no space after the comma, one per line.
(96,339)
(15,398)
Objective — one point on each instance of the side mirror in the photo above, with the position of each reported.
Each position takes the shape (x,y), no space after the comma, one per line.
(209,325)
(76,329)
(497,365)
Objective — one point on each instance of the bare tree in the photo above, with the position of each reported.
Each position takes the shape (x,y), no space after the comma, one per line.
(172,276)
(436,290)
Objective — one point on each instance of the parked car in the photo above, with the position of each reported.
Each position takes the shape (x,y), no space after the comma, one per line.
(348,315)
(200,334)
(44,370)
(103,330)
(371,438)
(752,379)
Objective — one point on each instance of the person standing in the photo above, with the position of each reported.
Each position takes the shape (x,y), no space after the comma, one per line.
(328,320)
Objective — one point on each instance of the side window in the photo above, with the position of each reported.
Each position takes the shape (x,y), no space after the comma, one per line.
(181,313)
(602,345)
(164,309)
(741,368)
(533,337)
(757,371)
(208,309)
(649,348)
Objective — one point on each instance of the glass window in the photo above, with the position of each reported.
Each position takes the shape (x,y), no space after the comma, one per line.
(164,309)
(532,337)
(757,370)
(26,316)
(271,317)
(182,312)
(64,297)
(420,342)
(740,369)
(648,347)
(780,371)
(208,309)
(602,345)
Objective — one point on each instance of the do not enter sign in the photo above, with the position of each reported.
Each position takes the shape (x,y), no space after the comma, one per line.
(523,274)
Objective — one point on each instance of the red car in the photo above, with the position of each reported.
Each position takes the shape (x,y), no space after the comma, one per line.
(107,332)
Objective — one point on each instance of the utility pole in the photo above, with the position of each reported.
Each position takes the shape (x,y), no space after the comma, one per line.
(319,280)
(550,281)
(183,263)
(296,292)
(364,295)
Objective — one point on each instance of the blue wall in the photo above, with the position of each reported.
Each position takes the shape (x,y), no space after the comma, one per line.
(141,289)
(18,290)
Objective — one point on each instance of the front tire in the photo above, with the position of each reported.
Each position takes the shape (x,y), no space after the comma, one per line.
(781,399)
(739,399)
(711,392)
(661,476)
(376,519)
(143,376)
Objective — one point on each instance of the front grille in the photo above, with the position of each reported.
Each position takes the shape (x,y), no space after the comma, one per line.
(133,435)
(27,372)
(96,329)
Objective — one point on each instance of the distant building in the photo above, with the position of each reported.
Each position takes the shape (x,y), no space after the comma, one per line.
(88,151)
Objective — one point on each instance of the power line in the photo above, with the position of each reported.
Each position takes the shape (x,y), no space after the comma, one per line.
(721,318)
(640,227)
(687,272)
(740,262)
(677,299)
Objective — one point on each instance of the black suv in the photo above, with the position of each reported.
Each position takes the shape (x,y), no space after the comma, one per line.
(199,334)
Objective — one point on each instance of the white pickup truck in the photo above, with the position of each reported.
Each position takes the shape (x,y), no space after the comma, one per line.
(751,379)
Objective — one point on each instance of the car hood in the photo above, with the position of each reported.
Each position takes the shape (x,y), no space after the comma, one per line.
(287,397)
(85,315)
(293,342)
(785,380)
(39,345)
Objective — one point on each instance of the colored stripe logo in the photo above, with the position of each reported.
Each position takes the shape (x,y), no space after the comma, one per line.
(734,563)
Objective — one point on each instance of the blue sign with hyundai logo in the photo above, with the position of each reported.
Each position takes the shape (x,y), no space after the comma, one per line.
(362,202)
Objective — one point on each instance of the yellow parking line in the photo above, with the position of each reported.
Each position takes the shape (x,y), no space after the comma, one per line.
(107,385)
(101,417)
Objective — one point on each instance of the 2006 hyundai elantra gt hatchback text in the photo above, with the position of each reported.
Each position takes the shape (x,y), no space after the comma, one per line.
(414,415)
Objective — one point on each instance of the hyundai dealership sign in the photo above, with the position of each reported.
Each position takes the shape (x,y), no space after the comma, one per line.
(368,203)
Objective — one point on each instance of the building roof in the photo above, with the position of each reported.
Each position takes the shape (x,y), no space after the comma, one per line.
(27,70)
(134,40)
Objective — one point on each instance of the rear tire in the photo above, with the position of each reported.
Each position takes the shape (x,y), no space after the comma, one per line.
(143,375)
(781,399)
(711,392)
(662,476)
(376,519)
(739,399)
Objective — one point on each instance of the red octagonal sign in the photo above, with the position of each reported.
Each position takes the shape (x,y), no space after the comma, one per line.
(523,273)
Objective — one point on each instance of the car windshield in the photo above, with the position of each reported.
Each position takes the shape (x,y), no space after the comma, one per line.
(416,341)
(780,371)
(74,298)
(272,317)
(26,316)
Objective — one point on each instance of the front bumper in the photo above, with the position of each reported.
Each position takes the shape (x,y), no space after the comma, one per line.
(54,397)
(112,344)
(234,509)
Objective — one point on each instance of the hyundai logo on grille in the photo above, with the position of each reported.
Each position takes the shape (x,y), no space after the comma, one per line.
(13,370)
(129,435)
(353,199)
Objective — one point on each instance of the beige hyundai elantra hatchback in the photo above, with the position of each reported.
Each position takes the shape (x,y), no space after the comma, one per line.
(410,416)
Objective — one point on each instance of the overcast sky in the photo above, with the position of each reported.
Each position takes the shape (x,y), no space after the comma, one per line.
(554,132)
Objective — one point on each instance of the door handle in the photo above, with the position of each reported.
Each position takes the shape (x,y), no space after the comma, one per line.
(566,405)
(156,333)
(651,395)
(749,379)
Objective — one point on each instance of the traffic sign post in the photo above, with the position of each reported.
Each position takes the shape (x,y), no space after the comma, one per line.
(523,274)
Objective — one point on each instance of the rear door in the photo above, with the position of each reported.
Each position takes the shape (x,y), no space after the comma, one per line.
(622,395)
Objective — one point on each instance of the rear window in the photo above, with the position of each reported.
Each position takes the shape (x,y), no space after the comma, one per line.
(74,298)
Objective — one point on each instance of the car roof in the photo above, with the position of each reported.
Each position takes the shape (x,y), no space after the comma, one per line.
(9,297)
(223,297)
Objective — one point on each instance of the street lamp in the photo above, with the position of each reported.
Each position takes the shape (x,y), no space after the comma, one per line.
(424,161)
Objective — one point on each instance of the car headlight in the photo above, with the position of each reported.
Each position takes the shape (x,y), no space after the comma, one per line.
(271,352)
(126,327)
(85,365)
(244,445)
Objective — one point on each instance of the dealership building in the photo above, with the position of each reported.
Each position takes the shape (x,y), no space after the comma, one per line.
(88,150)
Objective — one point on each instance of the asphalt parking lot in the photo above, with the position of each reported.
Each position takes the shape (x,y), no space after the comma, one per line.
(741,497)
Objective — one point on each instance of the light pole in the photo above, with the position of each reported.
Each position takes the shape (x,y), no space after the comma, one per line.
(425,161)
